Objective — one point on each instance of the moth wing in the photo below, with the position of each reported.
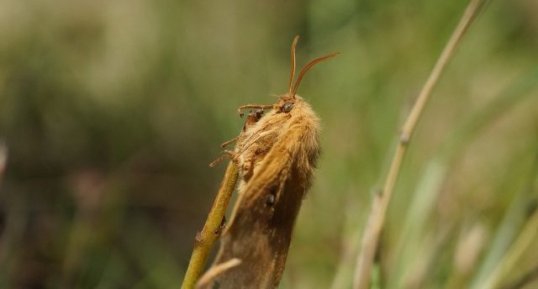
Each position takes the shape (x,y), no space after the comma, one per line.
(261,226)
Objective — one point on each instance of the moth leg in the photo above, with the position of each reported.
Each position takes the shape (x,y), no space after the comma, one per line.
(225,154)
(231,154)
(257,106)
(217,161)
(252,118)
(227,143)
(248,168)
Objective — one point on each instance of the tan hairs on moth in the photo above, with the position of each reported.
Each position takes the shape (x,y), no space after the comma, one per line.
(276,154)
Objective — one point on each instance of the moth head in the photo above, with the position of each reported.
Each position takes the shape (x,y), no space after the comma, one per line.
(287,101)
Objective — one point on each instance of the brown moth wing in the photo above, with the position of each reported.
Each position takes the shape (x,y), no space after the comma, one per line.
(260,230)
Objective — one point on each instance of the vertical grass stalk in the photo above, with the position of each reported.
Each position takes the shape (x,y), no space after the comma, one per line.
(206,238)
(381,200)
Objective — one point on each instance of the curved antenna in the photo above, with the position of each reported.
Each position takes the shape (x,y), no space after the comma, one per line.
(292,62)
(306,68)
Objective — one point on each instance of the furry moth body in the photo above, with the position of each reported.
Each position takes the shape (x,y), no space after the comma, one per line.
(276,154)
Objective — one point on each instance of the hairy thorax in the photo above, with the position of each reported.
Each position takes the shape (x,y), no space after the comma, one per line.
(288,115)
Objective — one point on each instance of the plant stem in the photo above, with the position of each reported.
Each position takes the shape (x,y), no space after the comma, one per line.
(206,238)
(376,219)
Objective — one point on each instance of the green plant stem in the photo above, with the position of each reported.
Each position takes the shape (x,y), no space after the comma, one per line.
(206,238)
(381,200)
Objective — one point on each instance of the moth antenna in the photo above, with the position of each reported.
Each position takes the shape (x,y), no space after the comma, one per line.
(292,62)
(306,68)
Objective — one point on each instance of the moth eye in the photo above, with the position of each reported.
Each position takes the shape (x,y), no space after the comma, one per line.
(287,107)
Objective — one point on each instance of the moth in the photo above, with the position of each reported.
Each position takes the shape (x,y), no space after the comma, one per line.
(276,154)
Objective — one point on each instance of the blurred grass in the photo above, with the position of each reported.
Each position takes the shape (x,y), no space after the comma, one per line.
(112,110)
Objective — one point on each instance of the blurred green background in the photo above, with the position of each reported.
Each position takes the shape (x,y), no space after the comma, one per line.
(112,110)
